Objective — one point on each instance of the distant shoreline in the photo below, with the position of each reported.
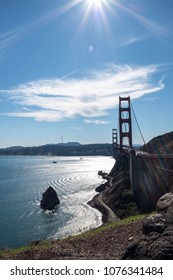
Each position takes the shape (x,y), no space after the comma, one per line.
(59,150)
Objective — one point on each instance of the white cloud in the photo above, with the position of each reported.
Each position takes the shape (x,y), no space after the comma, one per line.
(76,127)
(153,98)
(90,97)
(98,122)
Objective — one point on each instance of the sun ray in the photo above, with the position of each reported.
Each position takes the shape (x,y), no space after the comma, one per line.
(95,9)
(95,3)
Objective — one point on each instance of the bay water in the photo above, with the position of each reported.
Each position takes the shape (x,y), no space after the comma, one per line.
(23,179)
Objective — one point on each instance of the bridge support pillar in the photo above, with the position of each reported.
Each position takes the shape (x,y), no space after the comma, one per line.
(125,126)
(133,172)
(114,143)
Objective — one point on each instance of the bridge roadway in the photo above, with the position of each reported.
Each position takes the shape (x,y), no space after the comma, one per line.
(138,152)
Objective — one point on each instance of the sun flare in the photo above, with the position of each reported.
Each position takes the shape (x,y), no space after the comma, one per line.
(96,12)
(96,4)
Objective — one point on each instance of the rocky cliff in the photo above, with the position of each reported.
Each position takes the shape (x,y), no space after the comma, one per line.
(118,194)
(162,144)
(156,241)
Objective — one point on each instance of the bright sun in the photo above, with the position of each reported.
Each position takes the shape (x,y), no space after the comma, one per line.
(100,9)
(93,9)
(97,4)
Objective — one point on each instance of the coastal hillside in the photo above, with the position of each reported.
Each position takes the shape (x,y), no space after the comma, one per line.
(92,245)
(162,144)
(118,195)
(96,244)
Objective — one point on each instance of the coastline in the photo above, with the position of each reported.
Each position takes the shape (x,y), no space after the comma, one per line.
(104,243)
(107,214)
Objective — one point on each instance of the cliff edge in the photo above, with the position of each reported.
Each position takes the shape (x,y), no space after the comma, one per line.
(118,195)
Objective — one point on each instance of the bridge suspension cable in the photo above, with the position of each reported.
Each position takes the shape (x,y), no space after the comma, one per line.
(138,125)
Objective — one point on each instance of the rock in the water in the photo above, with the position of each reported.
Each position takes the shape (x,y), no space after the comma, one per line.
(102,187)
(50,199)
(156,243)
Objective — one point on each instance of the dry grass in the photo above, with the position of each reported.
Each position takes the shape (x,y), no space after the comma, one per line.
(106,242)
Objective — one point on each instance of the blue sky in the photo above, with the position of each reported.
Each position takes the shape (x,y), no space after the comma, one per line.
(64,64)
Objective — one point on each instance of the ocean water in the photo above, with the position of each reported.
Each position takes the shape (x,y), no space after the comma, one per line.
(23,179)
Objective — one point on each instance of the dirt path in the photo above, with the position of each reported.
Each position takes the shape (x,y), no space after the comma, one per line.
(110,216)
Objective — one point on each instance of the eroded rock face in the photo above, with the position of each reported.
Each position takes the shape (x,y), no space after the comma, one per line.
(118,196)
(165,206)
(156,243)
(50,199)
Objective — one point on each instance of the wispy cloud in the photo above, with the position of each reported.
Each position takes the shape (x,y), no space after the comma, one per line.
(89,97)
(77,127)
(153,98)
(98,122)
(131,40)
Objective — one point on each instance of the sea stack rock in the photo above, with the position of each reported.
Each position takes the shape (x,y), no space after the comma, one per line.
(50,199)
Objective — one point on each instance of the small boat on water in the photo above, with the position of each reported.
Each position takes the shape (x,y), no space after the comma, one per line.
(54,161)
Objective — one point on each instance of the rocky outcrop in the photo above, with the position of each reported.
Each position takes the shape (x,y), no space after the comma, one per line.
(156,243)
(116,192)
(162,144)
(50,199)
(165,206)
(118,196)
(102,187)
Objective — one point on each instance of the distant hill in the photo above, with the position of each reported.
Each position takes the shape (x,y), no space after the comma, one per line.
(72,144)
(14,148)
(62,149)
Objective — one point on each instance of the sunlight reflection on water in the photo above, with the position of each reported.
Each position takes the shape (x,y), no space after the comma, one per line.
(22,182)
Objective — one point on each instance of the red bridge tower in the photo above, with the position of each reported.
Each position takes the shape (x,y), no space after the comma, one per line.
(125,125)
